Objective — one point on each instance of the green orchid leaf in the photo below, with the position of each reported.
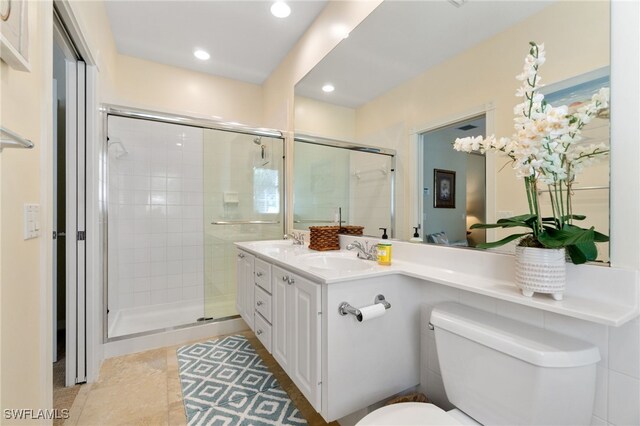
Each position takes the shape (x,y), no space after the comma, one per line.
(600,238)
(583,252)
(569,235)
(574,217)
(499,225)
(519,218)
(502,241)
(576,255)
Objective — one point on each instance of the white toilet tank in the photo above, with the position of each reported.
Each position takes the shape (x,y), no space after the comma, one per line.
(501,371)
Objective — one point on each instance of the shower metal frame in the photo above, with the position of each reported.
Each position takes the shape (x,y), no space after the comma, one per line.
(163,117)
(352,146)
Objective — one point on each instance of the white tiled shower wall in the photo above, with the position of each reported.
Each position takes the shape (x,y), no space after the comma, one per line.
(617,400)
(155,214)
(370,191)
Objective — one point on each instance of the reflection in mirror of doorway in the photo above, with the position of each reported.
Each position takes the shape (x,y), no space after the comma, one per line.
(448,221)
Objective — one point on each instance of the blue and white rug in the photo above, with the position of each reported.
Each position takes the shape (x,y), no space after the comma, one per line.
(225,382)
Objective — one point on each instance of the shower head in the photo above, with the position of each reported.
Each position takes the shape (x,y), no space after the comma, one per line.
(258,140)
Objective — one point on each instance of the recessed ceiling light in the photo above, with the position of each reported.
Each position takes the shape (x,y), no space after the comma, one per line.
(203,55)
(280,9)
(340,31)
(328,88)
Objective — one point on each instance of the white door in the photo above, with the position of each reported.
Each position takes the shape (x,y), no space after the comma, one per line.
(75,224)
(54,251)
(280,317)
(304,324)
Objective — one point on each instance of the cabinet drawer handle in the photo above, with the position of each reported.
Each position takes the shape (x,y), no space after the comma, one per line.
(259,274)
(291,281)
(285,278)
(259,303)
(241,255)
(259,332)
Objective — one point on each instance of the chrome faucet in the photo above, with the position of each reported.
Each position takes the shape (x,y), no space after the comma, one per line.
(364,252)
(297,237)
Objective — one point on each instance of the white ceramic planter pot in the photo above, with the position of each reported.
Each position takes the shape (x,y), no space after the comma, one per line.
(541,270)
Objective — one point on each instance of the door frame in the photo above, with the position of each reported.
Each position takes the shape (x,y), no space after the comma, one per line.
(416,183)
(90,356)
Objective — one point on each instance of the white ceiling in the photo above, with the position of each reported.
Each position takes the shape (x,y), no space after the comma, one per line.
(245,40)
(401,39)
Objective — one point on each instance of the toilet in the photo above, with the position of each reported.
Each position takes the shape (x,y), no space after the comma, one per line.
(500,371)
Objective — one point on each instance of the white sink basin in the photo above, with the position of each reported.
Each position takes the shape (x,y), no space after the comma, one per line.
(343,262)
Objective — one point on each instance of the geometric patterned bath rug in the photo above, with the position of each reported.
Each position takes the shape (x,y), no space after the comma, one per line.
(225,382)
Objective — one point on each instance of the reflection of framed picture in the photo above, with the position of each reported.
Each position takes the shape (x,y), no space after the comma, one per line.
(14,34)
(444,189)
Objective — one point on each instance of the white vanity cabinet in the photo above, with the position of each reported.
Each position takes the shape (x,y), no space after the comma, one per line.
(296,331)
(245,287)
(263,303)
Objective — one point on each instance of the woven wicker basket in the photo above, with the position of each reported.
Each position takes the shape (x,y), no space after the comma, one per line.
(351,230)
(412,397)
(323,238)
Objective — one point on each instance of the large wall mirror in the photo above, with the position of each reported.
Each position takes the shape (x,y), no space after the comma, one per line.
(414,75)
(338,182)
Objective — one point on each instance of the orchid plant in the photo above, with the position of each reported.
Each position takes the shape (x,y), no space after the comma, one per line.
(546,150)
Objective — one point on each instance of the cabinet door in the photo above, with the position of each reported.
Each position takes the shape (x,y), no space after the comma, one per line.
(281,334)
(304,323)
(244,290)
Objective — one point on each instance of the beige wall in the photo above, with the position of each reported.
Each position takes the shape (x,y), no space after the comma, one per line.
(484,74)
(151,85)
(25,317)
(129,81)
(317,118)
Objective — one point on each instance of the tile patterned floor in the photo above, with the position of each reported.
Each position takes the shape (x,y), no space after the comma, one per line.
(144,389)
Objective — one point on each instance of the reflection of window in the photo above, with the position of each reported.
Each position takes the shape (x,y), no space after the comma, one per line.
(266,191)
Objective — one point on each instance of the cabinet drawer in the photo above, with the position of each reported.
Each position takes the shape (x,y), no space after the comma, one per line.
(263,303)
(263,331)
(263,274)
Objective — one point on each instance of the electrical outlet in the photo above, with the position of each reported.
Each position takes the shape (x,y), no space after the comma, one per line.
(31,221)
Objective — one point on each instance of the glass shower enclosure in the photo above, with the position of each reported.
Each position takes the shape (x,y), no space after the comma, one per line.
(179,196)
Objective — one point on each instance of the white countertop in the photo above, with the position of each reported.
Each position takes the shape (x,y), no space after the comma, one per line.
(594,293)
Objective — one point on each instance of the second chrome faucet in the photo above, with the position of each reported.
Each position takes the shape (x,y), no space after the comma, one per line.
(364,252)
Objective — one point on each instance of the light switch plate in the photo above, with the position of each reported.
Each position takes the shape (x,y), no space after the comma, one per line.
(31,221)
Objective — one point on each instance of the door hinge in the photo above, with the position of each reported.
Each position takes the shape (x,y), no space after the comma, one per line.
(82,235)
(55,235)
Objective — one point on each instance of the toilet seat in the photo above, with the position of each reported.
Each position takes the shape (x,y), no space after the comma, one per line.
(409,414)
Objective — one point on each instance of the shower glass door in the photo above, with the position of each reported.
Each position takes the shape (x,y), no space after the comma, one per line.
(243,201)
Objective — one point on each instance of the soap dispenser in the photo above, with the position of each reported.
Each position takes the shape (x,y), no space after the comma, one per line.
(416,237)
(384,249)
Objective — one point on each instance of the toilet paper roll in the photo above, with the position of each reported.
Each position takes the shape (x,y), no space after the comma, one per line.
(371,312)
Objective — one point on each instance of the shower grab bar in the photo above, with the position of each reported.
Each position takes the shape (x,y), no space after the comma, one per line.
(9,139)
(246,222)
(582,188)
(316,221)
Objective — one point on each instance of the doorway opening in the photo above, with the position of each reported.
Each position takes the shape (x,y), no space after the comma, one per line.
(68,182)
(453,185)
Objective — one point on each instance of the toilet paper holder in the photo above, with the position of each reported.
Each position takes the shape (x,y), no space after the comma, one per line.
(345,308)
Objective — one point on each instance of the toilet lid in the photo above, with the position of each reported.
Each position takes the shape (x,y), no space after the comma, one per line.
(409,414)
